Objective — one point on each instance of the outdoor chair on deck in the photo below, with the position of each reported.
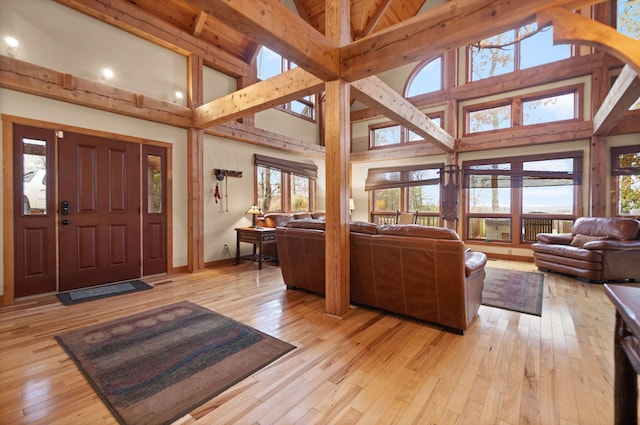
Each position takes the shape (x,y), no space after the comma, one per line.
(406,217)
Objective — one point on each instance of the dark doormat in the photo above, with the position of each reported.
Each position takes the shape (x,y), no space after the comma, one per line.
(95,293)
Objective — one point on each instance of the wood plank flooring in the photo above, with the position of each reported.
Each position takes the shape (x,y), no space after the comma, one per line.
(366,368)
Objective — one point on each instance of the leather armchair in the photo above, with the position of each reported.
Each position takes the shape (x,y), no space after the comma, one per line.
(598,249)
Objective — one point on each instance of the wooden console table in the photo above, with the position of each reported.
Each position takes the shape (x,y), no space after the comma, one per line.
(626,299)
(258,236)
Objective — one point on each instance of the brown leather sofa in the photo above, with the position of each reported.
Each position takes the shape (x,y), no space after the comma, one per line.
(417,271)
(598,249)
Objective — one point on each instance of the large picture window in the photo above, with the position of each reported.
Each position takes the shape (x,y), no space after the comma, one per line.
(535,108)
(513,199)
(513,50)
(284,186)
(413,188)
(625,180)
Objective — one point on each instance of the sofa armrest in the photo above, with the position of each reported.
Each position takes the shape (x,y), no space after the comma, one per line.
(612,244)
(474,262)
(555,238)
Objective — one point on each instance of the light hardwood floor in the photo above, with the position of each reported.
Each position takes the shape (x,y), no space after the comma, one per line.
(366,368)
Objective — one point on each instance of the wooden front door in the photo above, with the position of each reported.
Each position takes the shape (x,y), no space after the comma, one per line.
(34,211)
(99,210)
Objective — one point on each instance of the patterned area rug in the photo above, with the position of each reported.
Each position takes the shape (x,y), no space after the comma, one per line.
(155,367)
(513,290)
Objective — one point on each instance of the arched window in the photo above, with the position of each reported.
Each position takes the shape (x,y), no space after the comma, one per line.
(426,78)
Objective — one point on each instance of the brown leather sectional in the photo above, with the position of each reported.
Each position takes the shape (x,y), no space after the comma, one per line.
(417,271)
(598,249)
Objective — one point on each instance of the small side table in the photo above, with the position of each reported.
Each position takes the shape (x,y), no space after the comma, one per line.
(626,352)
(258,236)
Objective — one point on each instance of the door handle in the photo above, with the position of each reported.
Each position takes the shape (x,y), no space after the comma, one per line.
(65,222)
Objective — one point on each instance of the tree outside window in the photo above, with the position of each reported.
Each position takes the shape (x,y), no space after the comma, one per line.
(625,171)
(514,50)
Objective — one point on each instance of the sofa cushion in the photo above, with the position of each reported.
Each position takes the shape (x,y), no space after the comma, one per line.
(579,239)
(363,227)
(418,231)
(555,238)
(307,223)
(568,252)
(612,227)
(277,219)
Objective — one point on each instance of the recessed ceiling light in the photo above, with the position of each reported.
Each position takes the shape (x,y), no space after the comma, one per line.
(107,74)
(11,44)
(179,95)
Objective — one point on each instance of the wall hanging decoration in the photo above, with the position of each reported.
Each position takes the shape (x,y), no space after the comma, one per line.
(221,175)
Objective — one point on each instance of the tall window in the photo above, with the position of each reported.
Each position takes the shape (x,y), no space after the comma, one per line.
(405,189)
(269,64)
(625,176)
(427,79)
(513,199)
(514,50)
(283,185)
(628,23)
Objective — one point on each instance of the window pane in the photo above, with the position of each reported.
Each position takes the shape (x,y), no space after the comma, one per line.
(424,198)
(269,189)
(490,229)
(560,164)
(386,200)
(154,181)
(302,108)
(299,193)
(489,62)
(427,80)
(555,108)
(539,49)
(489,194)
(413,137)
(490,119)
(629,18)
(532,226)
(629,185)
(386,136)
(34,179)
(269,64)
(547,199)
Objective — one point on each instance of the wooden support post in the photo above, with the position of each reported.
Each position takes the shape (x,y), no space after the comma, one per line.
(598,177)
(195,166)
(337,131)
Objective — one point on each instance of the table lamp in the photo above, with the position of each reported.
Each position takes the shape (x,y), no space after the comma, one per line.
(254,211)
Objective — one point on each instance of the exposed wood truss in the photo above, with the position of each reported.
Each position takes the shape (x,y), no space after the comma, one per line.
(625,91)
(374,93)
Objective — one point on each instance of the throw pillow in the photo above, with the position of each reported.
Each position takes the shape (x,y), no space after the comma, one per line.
(579,240)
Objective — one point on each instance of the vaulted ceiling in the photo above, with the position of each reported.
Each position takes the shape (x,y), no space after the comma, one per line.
(367,17)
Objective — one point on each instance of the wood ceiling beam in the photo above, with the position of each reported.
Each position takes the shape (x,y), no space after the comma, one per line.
(48,83)
(260,137)
(368,28)
(285,87)
(373,92)
(198,24)
(569,28)
(134,20)
(272,24)
(625,91)
(446,27)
